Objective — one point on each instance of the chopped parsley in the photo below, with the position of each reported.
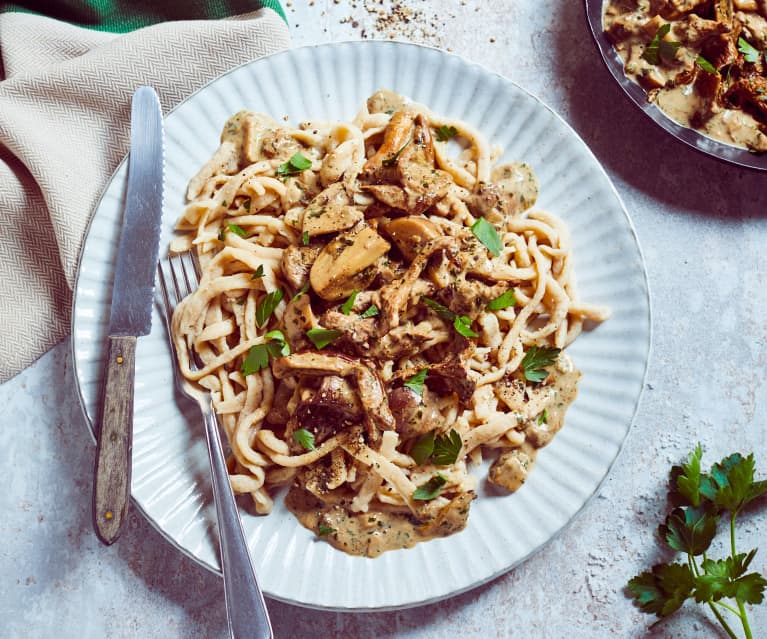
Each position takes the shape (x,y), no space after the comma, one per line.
(324,531)
(447,448)
(259,272)
(349,303)
(302,290)
(416,382)
(705,65)
(431,489)
(305,238)
(371,312)
(236,229)
(535,361)
(295,164)
(321,337)
(659,49)
(392,160)
(750,53)
(258,355)
(503,301)
(267,306)
(304,439)
(423,448)
(461,323)
(543,418)
(487,234)
(444,133)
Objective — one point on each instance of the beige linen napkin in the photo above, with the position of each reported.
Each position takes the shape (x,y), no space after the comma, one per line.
(64,127)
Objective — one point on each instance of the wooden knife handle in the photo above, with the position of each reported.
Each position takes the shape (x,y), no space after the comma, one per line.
(111,490)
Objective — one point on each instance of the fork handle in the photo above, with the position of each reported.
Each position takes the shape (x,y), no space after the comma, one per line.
(245,607)
(111,483)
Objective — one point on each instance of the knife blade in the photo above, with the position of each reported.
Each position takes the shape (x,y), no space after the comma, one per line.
(131,313)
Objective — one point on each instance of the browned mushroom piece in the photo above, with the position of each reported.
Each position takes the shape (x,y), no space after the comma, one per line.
(451,377)
(297,262)
(298,319)
(510,469)
(415,414)
(381,167)
(334,407)
(344,265)
(369,385)
(750,94)
(385,101)
(451,518)
(721,50)
(330,211)
(410,234)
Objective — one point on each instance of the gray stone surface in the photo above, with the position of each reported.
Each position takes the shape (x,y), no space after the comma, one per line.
(703,228)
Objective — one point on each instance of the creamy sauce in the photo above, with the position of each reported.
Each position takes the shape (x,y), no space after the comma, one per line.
(372,533)
(681,103)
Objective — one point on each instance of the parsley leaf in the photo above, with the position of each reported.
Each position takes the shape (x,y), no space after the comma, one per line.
(431,489)
(304,439)
(323,530)
(444,133)
(259,272)
(503,301)
(443,311)
(267,306)
(663,590)
(461,323)
(321,337)
(236,229)
(392,160)
(423,448)
(258,355)
(688,483)
(652,52)
(543,418)
(488,235)
(750,53)
(416,382)
(536,359)
(371,312)
(705,65)
(302,290)
(295,164)
(689,530)
(447,448)
(349,304)
(305,238)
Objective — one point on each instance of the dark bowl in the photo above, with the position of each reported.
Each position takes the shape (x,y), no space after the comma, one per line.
(637,95)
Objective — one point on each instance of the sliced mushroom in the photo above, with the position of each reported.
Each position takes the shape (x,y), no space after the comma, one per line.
(331,212)
(414,414)
(518,186)
(410,234)
(297,262)
(397,136)
(298,319)
(344,264)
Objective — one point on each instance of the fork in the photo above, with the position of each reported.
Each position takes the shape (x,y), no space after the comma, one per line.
(246,611)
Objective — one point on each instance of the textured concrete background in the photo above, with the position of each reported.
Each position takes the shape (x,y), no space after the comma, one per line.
(703,228)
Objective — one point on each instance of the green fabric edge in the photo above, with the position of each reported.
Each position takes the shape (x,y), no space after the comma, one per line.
(116,23)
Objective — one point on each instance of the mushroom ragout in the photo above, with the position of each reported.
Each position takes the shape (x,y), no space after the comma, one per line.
(702,62)
(379,304)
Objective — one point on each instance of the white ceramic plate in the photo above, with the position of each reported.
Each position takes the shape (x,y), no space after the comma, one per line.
(170,477)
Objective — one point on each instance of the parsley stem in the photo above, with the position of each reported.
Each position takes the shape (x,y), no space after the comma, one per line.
(721,620)
(727,607)
(744,619)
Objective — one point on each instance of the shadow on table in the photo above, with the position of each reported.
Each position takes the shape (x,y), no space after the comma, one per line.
(633,147)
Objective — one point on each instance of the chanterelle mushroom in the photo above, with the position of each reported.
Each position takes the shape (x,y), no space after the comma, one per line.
(343,265)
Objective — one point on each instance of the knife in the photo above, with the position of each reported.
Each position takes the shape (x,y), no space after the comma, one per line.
(131,313)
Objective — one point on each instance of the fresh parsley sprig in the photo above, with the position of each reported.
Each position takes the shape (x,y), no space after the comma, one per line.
(702,500)
(488,235)
(322,337)
(267,306)
(258,355)
(416,382)
(750,53)
(444,132)
(431,489)
(443,449)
